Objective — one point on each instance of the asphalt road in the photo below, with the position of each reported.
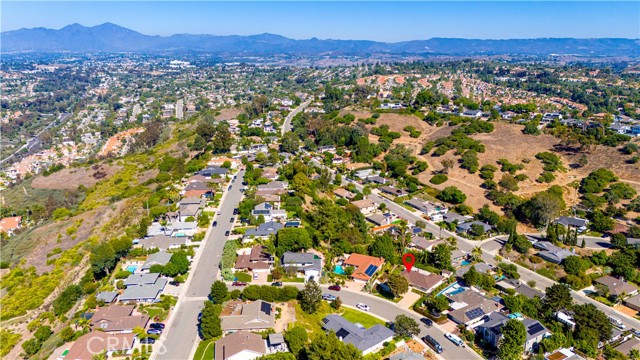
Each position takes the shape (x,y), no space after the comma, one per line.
(286,126)
(182,333)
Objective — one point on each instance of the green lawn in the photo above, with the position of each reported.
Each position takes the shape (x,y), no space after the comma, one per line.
(153,312)
(205,350)
(217,196)
(357,316)
(244,277)
(293,279)
(312,322)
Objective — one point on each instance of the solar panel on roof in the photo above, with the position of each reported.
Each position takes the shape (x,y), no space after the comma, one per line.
(474,313)
(535,328)
(370,270)
(265,308)
(342,333)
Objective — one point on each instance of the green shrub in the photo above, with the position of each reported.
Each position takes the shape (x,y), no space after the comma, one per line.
(438,179)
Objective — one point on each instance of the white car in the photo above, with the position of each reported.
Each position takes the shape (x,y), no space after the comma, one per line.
(363,307)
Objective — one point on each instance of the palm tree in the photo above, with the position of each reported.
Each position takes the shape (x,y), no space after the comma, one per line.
(476,254)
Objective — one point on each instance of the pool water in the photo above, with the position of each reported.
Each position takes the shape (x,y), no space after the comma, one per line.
(131,268)
(338,270)
(466,262)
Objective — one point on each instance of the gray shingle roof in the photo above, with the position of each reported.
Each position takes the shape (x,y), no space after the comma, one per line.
(159,258)
(144,291)
(363,339)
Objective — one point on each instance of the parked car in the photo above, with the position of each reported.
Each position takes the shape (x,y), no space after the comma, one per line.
(239,283)
(334,287)
(226,233)
(255,276)
(454,339)
(148,340)
(215,223)
(219,212)
(328,297)
(154,332)
(433,343)
(235,211)
(426,321)
(276,283)
(363,307)
(156,326)
(230,187)
(232,220)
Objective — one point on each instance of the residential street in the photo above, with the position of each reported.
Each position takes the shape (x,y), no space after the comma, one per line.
(286,126)
(181,335)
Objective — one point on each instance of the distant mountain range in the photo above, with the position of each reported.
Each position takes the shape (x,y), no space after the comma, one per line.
(109,37)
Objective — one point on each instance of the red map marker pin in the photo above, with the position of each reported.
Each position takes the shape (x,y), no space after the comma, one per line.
(408,260)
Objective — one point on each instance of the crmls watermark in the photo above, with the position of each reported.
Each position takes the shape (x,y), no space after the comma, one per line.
(97,345)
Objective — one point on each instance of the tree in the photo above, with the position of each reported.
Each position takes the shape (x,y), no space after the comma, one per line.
(405,326)
(310,297)
(336,304)
(210,321)
(398,284)
(290,143)
(573,265)
(102,259)
(472,276)
(219,292)
(601,222)
(447,164)
(440,257)
(222,139)
(296,338)
(452,194)
(383,247)
(67,298)
(43,333)
(66,334)
(301,184)
(439,303)
(558,297)
(588,318)
(329,347)
(292,239)
(31,346)
(514,335)
(508,182)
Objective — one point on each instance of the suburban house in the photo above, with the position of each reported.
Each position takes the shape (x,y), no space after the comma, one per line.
(96,342)
(256,260)
(376,180)
(381,219)
(241,345)
(435,212)
(343,193)
(10,224)
(467,226)
(422,280)
(633,302)
(365,206)
(469,307)
(254,316)
(307,263)
(117,319)
(269,212)
(471,113)
(563,354)
(159,258)
(213,170)
(272,188)
(364,266)
(163,242)
(451,217)
(197,189)
(276,343)
(491,331)
(393,191)
(551,252)
(188,211)
(573,222)
(420,243)
(107,297)
(219,161)
(366,340)
(143,288)
(617,287)
(520,288)
(632,344)
(264,230)
(192,201)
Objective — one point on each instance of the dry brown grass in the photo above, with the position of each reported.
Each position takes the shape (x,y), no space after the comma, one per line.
(228,114)
(71,178)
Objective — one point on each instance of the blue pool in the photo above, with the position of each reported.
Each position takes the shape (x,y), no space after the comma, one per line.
(338,270)
(132,268)
(465,263)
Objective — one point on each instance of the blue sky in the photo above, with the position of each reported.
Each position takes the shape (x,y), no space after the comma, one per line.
(382,21)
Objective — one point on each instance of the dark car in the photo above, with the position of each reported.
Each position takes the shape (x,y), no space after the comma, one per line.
(226,233)
(232,220)
(433,343)
(156,326)
(238,283)
(244,183)
(148,340)
(215,223)
(235,211)
(230,187)
(276,283)
(426,321)
(335,287)
(154,331)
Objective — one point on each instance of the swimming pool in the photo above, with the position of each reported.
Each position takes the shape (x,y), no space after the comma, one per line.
(132,268)
(465,263)
(338,270)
